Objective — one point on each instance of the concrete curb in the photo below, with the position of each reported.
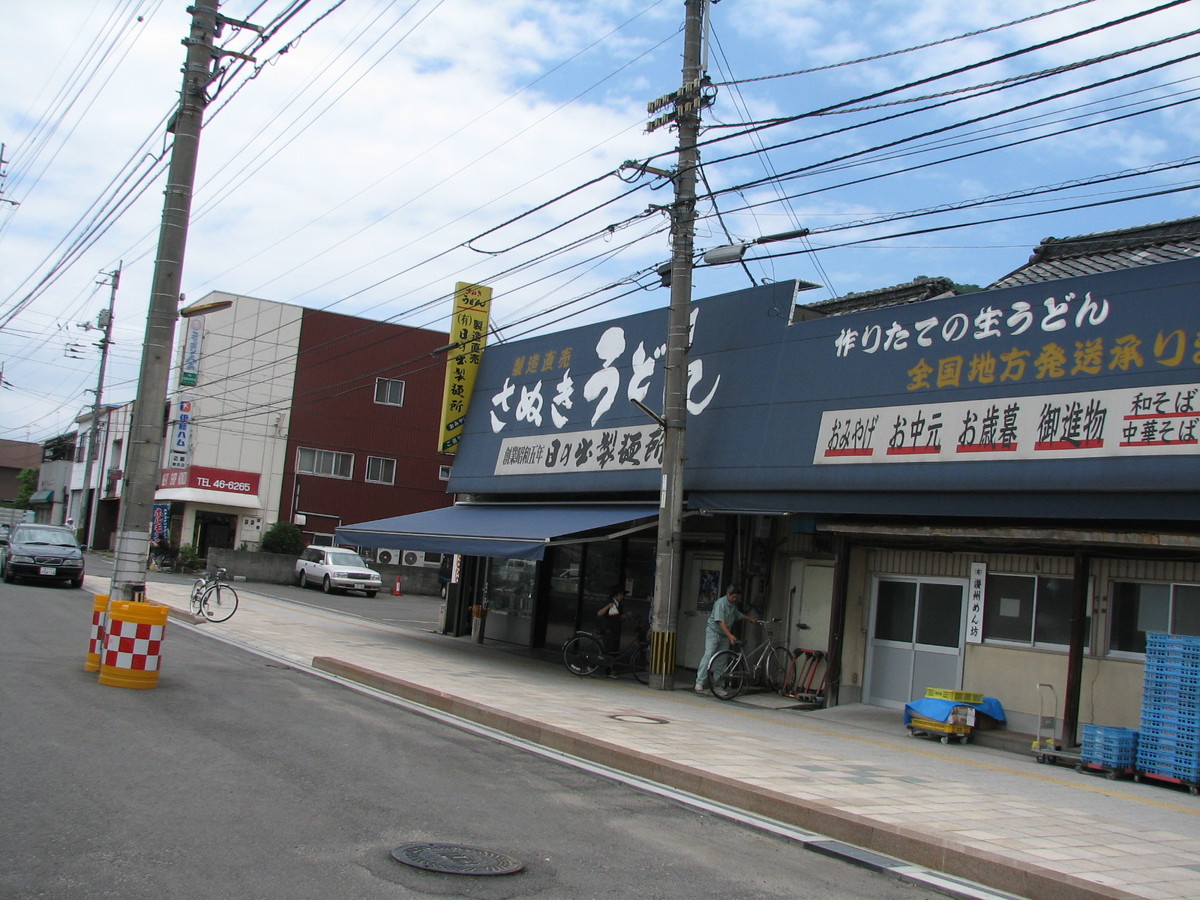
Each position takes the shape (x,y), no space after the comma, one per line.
(913,847)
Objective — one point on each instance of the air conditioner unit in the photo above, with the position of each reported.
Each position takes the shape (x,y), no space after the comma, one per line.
(420,558)
(385,557)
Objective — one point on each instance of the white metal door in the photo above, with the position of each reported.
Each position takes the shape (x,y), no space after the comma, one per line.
(810,604)
(916,638)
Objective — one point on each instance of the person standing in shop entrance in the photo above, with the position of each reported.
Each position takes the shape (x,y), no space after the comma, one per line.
(717,633)
(610,616)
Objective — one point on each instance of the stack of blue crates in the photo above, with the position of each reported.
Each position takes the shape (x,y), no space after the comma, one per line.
(1169,742)
(1109,747)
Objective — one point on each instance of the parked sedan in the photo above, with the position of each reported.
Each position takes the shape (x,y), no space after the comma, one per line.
(336,569)
(45,552)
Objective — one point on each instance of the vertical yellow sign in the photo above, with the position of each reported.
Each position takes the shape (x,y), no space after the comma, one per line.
(468,334)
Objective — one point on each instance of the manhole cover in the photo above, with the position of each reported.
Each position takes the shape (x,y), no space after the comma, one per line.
(639,720)
(454,859)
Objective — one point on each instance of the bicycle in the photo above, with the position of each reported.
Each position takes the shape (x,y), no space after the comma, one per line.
(729,671)
(213,597)
(163,562)
(584,654)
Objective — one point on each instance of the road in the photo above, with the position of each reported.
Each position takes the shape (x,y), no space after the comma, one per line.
(240,776)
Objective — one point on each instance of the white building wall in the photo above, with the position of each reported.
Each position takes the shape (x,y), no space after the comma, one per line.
(242,399)
(110,454)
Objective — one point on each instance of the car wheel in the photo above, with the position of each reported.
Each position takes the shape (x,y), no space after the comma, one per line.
(301,579)
(77,582)
(327,586)
(8,575)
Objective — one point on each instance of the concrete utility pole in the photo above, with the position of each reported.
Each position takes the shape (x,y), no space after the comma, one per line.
(669,556)
(106,324)
(144,458)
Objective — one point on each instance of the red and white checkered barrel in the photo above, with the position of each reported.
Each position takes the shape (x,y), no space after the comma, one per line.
(133,637)
(96,639)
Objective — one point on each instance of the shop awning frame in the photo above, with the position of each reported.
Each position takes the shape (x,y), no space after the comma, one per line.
(503,530)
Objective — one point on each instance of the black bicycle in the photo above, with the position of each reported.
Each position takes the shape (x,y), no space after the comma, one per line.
(585,653)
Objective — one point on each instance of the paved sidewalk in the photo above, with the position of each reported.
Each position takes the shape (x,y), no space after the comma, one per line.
(853,773)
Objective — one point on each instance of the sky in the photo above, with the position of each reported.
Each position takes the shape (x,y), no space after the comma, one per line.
(373,153)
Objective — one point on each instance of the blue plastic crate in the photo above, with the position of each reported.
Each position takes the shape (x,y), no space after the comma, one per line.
(1170,743)
(1181,642)
(1117,763)
(1109,734)
(1185,767)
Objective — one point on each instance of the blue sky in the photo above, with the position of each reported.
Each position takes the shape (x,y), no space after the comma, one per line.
(397,148)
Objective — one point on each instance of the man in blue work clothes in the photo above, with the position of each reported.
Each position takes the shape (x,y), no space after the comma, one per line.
(717,634)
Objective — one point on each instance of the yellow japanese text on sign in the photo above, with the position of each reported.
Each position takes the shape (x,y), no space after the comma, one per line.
(468,334)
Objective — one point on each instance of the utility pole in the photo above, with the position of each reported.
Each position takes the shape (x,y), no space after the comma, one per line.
(105,324)
(669,553)
(144,458)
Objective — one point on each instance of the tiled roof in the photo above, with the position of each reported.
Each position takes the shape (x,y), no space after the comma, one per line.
(1107,251)
(897,295)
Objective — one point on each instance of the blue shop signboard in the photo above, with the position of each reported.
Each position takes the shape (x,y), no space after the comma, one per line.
(1083,384)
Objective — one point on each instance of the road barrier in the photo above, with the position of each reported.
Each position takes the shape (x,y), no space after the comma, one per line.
(133,640)
(96,640)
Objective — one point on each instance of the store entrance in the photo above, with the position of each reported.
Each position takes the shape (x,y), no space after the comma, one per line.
(214,531)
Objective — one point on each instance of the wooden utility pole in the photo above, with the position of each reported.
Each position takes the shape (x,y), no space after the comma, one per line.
(669,554)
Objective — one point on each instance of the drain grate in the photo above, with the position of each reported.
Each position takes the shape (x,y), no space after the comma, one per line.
(455,859)
(639,719)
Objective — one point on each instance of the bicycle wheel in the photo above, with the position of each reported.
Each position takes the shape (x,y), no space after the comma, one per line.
(581,655)
(641,664)
(727,674)
(776,666)
(219,602)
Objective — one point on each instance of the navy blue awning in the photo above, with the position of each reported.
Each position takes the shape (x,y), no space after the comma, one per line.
(510,530)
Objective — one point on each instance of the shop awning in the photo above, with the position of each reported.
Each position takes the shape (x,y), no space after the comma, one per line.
(511,530)
(213,498)
(40,497)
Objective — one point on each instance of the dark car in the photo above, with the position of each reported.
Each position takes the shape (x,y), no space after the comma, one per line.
(47,552)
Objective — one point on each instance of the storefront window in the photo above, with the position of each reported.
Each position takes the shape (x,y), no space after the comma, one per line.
(1028,609)
(940,621)
(896,611)
(562,599)
(1138,607)
(601,576)
(511,585)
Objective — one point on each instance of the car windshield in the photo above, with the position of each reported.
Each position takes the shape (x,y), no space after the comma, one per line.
(52,536)
(345,558)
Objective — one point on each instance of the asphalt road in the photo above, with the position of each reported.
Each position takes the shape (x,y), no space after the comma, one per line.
(241,777)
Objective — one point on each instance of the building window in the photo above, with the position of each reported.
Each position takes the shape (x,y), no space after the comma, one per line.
(389,391)
(1138,607)
(1024,609)
(324,462)
(380,470)
(444,473)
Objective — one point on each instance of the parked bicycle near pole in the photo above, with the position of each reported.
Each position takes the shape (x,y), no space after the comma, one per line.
(213,598)
(584,654)
(731,671)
